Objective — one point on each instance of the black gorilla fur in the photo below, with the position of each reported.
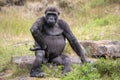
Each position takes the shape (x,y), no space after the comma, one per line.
(50,34)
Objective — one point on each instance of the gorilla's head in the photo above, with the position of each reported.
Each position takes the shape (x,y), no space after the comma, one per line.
(51,15)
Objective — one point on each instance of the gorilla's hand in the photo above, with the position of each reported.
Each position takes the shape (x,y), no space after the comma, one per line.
(43,47)
(37,73)
(38,48)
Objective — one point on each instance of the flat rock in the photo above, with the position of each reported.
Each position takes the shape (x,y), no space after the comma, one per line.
(27,61)
(102,47)
(23,61)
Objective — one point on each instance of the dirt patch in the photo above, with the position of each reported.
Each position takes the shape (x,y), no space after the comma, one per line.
(4,75)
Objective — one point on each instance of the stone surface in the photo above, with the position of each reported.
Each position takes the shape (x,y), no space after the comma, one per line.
(27,61)
(109,51)
(93,48)
(23,61)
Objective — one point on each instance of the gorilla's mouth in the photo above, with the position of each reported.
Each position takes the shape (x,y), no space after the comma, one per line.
(51,22)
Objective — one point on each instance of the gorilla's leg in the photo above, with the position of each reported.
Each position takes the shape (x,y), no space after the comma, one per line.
(63,60)
(35,71)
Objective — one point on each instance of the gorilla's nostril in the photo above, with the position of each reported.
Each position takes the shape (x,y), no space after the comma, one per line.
(51,18)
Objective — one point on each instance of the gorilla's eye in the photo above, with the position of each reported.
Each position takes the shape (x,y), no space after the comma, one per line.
(51,15)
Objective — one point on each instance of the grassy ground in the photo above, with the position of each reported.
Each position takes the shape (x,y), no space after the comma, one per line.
(88,20)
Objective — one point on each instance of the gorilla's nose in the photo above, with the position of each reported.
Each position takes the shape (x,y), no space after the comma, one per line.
(51,18)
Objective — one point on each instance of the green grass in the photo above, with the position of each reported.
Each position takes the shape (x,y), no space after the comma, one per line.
(101,70)
(95,3)
(14,23)
(88,20)
(6,52)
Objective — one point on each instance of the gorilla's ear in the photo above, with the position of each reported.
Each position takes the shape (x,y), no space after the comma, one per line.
(58,13)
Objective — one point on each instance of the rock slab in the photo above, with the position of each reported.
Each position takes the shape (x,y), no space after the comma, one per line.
(106,48)
(27,61)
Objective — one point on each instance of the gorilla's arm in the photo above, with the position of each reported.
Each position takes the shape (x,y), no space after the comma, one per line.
(36,30)
(72,40)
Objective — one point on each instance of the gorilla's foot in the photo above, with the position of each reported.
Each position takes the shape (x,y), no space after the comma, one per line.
(36,73)
(83,60)
(64,71)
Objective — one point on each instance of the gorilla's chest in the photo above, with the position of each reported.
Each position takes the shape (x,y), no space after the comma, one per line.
(52,31)
(54,39)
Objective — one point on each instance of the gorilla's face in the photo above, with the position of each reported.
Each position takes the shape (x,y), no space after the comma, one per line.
(51,18)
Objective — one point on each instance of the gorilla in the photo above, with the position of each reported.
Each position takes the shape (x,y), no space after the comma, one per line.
(50,34)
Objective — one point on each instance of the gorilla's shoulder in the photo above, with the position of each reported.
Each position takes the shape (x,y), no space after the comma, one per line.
(62,22)
(41,18)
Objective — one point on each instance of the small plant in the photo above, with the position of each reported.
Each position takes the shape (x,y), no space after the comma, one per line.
(109,68)
(51,70)
(17,71)
(84,72)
